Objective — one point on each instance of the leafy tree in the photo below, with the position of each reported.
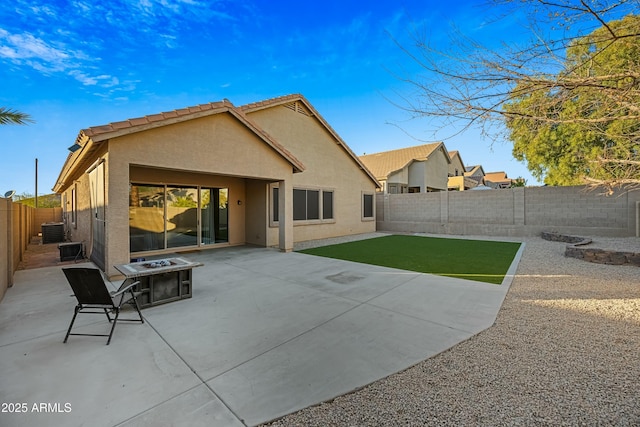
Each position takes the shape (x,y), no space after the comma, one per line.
(44,201)
(587,119)
(8,117)
(569,99)
(518,182)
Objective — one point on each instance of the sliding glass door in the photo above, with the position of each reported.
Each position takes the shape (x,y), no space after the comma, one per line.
(215,215)
(182,216)
(146,218)
(164,217)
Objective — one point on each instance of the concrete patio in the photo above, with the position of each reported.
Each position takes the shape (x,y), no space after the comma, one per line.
(265,334)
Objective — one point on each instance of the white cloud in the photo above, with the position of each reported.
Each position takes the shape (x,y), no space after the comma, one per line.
(48,58)
(27,49)
(104,80)
(83,78)
(27,46)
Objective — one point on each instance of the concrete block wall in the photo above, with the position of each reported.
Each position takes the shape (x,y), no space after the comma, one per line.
(497,206)
(512,212)
(402,207)
(567,206)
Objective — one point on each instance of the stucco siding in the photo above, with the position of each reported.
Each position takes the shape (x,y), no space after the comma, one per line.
(80,231)
(219,148)
(215,144)
(215,151)
(436,171)
(456,164)
(256,211)
(328,167)
(417,175)
(399,177)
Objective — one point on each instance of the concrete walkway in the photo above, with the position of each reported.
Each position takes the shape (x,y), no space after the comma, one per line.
(265,334)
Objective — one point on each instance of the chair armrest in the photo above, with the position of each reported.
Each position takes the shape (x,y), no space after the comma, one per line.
(124,288)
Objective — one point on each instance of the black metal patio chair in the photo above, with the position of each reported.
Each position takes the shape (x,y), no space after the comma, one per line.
(92,294)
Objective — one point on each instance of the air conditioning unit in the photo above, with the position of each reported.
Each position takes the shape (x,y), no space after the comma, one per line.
(53,232)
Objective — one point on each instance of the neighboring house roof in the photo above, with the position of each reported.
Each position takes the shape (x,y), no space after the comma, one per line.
(385,163)
(92,137)
(474,170)
(475,173)
(452,155)
(293,102)
(496,177)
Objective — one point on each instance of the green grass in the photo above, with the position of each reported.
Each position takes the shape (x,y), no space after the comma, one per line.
(480,260)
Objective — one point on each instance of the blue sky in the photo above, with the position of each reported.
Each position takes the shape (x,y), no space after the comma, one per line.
(76,64)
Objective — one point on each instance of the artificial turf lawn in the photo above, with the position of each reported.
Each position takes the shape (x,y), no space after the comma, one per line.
(480,260)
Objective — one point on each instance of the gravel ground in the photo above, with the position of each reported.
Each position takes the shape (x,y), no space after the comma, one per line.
(562,352)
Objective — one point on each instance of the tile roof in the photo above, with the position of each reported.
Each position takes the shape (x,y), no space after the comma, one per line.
(100,133)
(247,108)
(384,163)
(95,132)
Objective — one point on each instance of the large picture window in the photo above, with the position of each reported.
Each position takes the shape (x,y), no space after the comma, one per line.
(308,204)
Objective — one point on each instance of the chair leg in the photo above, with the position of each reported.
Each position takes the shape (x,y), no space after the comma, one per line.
(107,313)
(75,313)
(113,326)
(136,306)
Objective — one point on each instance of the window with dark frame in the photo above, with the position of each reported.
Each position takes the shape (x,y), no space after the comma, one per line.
(327,205)
(308,205)
(73,206)
(367,205)
(276,204)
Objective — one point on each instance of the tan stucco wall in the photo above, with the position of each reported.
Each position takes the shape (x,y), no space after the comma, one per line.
(220,151)
(328,167)
(399,177)
(215,151)
(417,175)
(436,171)
(456,182)
(80,231)
(456,164)
(256,212)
